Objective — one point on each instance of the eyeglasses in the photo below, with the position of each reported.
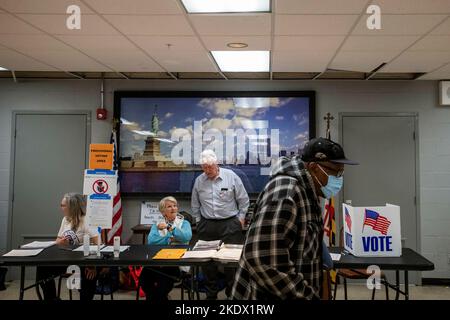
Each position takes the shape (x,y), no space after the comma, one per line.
(338,174)
(63,205)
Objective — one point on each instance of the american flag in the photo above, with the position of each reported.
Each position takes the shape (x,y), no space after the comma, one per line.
(376,221)
(116,229)
(348,220)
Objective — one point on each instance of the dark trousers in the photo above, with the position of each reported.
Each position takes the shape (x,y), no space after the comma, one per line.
(157,282)
(47,275)
(230,232)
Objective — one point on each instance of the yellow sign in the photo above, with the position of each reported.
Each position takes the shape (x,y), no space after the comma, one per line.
(101,156)
(170,254)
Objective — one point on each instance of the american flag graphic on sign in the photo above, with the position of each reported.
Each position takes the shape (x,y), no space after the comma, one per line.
(348,220)
(376,221)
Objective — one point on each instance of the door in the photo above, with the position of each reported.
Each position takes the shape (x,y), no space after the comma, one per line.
(50,154)
(385,146)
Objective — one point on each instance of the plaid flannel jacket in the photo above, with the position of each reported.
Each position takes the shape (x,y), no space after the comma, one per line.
(281,258)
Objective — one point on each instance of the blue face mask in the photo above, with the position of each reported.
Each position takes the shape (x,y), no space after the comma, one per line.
(333,186)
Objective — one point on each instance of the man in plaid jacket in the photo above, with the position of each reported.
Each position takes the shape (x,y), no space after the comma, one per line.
(281,258)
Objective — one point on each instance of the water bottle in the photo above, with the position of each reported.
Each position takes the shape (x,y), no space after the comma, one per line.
(86,244)
(99,241)
(116,246)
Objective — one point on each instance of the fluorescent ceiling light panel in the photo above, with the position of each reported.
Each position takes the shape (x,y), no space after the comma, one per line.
(226,6)
(242,61)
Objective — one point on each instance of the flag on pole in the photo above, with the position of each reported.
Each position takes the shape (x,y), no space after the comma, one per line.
(330,216)
(116,229)
(330,222)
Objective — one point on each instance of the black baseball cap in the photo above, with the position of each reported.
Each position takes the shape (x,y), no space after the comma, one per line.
(322,149)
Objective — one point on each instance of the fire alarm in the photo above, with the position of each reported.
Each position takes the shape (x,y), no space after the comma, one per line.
(101,114)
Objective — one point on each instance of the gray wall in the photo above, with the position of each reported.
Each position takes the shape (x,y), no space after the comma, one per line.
(332,96)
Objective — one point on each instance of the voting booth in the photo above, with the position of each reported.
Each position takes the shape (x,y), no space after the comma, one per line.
(372,231)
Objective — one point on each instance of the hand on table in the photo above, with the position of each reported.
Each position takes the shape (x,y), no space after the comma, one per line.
(61,241)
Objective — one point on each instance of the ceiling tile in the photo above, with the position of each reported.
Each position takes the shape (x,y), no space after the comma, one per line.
(185,61)
(230,25)
(253,42)
(68,60)
(135,6)
(15,61)
(56,24)
(418,61)
(414,7)
(307,43)
(362,61)
(42,6)
(159,25)
(378,43)
(11,25)
(26,43)
(160,43)
(440,74)
(93,43)
(400,25)
(314,24)
(443,29)
(319,7)
(114,51)
(51,51)
(432,43)
(293,61)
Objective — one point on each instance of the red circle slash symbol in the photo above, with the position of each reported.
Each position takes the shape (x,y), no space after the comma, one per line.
(100,186)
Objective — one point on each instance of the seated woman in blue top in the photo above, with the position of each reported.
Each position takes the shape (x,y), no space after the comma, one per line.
(158,282)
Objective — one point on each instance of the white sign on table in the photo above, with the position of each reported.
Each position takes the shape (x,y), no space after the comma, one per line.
(100,182)
(150,213)
(99,211)
(372,231)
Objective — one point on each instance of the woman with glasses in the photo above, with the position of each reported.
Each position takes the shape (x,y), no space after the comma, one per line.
(71,233)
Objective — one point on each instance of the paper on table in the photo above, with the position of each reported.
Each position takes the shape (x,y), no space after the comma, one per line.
(228,254)
(224,253)
(92,248)
(169,254)
(335,256)
(38,244)
(199,254)
(207,245)
(23,253)
(111,249)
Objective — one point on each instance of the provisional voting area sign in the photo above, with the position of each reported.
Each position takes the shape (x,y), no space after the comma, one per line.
(100,182)
(150,213)
(101,156)
(372,231)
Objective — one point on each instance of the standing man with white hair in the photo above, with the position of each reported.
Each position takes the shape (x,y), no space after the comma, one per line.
(219,204)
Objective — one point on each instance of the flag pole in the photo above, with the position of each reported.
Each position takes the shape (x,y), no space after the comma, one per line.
(328,119)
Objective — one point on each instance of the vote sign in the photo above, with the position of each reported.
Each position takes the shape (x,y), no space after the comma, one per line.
(372,231)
